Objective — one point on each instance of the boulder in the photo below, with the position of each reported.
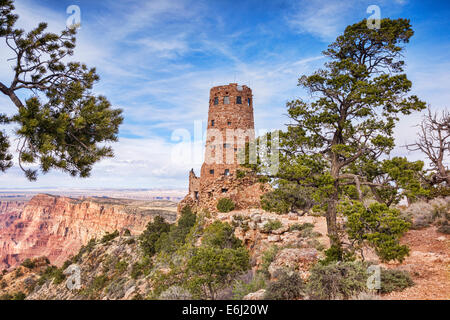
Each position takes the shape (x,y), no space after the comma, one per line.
(294,259)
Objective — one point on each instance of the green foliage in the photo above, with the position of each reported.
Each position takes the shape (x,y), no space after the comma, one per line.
(28,263)
(211,269)
(151,235)
(176,237)
(287,197)
(240,174)
(220,235)
(63,125)
(268,257)
(99,282)
(52,273)
(336,141)
(121,266)
(395,280)
(272,225)
(225,205)
(337,253)
(242,288)
(127,233)
(83,250)
(19,296)
(109,236)
(378,226)
(340,280)
(141,268)
(287,287)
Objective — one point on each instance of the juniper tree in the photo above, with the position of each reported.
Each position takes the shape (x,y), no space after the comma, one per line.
(337,138)
(62,124)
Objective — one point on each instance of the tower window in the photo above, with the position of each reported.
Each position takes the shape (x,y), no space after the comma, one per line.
(213,123)
(211,171)
(239,100)
(249,101)
(227,172)
(226,145)
(229,123)
(226,100)
(216,101)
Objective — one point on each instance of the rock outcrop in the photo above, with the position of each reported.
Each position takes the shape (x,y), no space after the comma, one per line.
(56,227)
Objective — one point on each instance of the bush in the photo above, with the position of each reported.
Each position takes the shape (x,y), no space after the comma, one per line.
(99,282)
(110,236)
(19,296)
(272,225)
(211,269)
(378,226)
(220,235)
(340,280)
(28,263)
(176,237)
(268,257)
(288,197)
(151,235)
(395,280)
(287,287)
(225,205)
(242,288)
(141,268)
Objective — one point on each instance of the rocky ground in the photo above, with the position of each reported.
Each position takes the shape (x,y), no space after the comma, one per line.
(428,264)
(114,268)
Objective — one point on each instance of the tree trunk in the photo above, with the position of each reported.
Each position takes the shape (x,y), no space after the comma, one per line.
(332,209)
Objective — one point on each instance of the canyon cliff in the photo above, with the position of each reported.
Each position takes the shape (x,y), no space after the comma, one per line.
(56,227)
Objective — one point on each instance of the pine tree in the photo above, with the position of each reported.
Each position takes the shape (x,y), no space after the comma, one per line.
(63,124)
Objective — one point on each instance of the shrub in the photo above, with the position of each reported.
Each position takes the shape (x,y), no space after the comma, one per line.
(28,263)
(378,226)
(340,280)
(121,266)
(220,235)
(176,237)
(212,269)
(127,233)
(242,288)
(268,257)
(395,280)
(110,236)
(19,296)
(142,267)
(150,236)
(444,228)
(240,174)
(287,287)
(225,205)
(286,198)
(99,282)
(18,273)
(272,225)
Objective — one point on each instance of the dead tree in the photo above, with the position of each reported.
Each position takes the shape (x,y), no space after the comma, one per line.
(434,141)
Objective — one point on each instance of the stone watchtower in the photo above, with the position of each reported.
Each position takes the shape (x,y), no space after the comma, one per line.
(230,127)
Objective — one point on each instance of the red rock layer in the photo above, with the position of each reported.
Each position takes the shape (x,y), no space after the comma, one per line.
(57,227)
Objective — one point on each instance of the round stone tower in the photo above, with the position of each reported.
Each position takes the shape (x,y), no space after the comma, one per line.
(230,127)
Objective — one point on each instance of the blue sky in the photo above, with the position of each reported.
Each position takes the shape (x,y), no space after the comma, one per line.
(158,59)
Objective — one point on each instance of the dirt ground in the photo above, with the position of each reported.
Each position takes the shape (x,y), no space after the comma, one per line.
(428,264)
